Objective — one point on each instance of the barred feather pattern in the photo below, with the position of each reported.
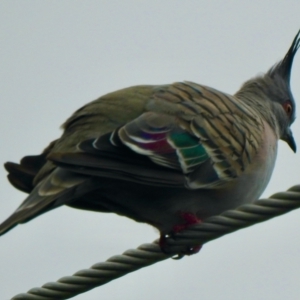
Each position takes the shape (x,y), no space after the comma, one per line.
(189,124)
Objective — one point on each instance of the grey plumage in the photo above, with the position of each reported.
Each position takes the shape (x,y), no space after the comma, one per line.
(156,153)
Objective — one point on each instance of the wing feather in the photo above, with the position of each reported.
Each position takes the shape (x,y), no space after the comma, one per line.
(171,136)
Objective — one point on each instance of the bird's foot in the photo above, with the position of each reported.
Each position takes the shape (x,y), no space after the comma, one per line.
(189,219)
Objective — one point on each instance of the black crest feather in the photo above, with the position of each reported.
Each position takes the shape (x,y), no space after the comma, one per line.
(283,68)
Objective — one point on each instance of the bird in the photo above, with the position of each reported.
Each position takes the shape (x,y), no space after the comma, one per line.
(167,155)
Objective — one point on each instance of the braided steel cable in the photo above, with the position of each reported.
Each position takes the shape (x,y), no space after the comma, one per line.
(148,254)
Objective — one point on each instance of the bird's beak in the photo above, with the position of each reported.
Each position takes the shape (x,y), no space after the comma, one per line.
(288,137)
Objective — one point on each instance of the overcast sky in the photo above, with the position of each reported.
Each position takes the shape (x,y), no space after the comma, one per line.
(55,56)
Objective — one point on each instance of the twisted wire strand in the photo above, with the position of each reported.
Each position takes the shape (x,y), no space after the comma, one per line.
(148,254)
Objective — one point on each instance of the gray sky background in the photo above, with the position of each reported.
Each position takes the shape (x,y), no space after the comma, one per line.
(55,56)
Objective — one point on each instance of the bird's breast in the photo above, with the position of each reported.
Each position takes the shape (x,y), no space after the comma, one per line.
(250,184)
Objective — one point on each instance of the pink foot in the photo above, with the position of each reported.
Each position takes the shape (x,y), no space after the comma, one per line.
(189,219)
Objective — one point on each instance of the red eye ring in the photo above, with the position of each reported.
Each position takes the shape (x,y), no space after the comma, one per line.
(287,106)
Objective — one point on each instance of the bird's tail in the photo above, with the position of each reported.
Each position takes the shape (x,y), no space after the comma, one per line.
(56,189)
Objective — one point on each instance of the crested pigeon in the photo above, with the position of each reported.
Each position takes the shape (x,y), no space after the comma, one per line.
(167,155)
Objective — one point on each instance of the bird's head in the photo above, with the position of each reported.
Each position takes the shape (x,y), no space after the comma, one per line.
(280,74)
(274,87)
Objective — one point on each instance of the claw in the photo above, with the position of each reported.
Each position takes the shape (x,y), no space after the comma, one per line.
(189,219)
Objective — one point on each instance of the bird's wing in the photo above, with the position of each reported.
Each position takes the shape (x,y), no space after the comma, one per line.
(180,135)
(189,135)
(229,131)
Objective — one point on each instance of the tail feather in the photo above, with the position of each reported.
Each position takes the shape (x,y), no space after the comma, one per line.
(56,189)
(18,177)
(35,205)
(24,214)
(38,202)
(21,175)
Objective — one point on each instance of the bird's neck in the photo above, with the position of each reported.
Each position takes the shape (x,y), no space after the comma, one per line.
(258,101)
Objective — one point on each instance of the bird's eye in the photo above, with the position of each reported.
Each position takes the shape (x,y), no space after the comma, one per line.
(287,106)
